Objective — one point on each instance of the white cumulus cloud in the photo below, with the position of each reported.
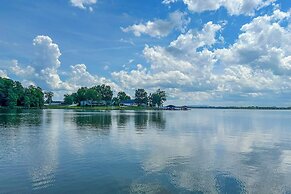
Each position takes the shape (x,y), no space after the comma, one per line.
(79,77)
(44,71)
(47,62)
(264,43)
(234,7)
(179,66)
(160,28)
(83,4)
(256,66)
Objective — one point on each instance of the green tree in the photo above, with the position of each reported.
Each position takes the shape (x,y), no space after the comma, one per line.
(69,99)
(12,98)
(157,98)
(36,96)
(105,92)
(81,94)
(122,96)
(141,97)
(150,100)
(115,101)
(20,93)
(5,86)
(40,97)
(26,101)
(96,93)
(49,97)
(12,94)
(93,94)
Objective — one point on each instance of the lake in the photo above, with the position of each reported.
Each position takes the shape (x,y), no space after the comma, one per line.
(196,151)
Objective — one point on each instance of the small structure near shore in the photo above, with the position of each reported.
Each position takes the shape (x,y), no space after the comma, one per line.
(169,107)
(55,103)
(93,103)
(173,107)
(128,103)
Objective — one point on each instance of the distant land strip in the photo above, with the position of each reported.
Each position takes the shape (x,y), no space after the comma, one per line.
(242,107)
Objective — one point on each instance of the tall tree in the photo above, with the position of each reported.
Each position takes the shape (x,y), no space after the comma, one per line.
(158,98)
(96,93)
(81,94)
(12,94)
(26,101)
(49,97)
(141,97)
(6,85)
(20,93)
(36,96)
(115,101)
(12,98)
(105,92)
(122,96)
(92,95)
(69,99)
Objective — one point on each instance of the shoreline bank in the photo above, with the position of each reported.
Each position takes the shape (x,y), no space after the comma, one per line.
(141,108)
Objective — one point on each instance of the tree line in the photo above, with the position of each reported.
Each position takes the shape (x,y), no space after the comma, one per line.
(95,93)
(103,93)
(12,94)
(153,99)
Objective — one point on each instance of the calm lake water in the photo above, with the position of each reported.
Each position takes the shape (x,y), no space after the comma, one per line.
(197,151)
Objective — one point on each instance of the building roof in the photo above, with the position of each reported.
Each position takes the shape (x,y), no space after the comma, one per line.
(127,102)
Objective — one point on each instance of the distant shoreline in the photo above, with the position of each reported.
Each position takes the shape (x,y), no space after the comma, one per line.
(150,108)
(100,108)
(245,108)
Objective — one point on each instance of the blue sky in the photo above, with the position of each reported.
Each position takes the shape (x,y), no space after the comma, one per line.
(233,52)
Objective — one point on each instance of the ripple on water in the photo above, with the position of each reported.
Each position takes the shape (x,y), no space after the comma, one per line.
(42,180)
(227,183)
(150,188)
(192,180)
(199,151)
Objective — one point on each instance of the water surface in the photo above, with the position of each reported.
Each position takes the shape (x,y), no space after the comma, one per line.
(197,151)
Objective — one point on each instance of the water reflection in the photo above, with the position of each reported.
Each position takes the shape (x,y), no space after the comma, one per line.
(199,151)
(44,159)
(99,121)
(122,119)
(157,120)
(150,188)
(249,150)
(18,117)
(105,120)
(226,183)
(141,120)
